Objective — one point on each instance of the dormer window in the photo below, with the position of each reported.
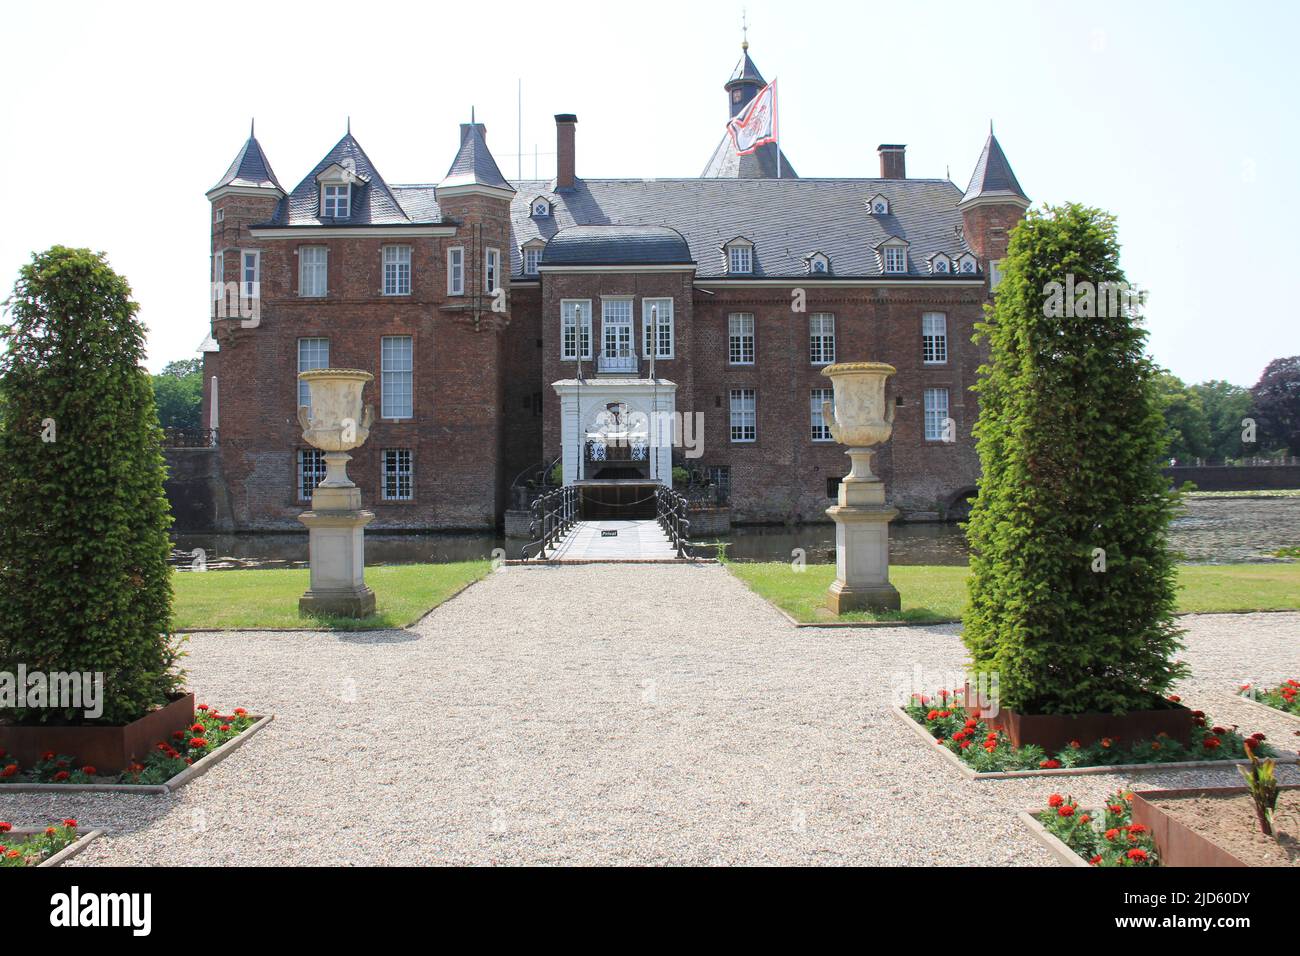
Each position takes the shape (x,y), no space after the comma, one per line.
(941,264)
(879,205)
(740,256)
(541,208)
(892,255)
(532,256)
(967,264)
(336,201)
(818,264)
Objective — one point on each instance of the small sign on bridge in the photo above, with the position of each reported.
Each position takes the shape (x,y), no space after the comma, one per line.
(609,532)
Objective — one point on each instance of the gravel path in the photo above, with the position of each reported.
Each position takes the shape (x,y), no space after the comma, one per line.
(610,714)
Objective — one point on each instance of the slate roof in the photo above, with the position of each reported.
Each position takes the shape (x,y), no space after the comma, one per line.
(602,245)
(746,70)
(726,163)
(474,164)
(373,202)
(993,174)
(250,168)
(786,219)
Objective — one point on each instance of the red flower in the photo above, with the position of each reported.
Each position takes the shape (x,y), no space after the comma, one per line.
(13,854)
(9,771)
(1174,699)
(1096,860)
(197,729)
(972,724)
(198,743)
(1086,818)
(225,728)
(1136,828)
(49,831)
(70,823)
(1137,854)
(1050,764)
(1116,808)
(178,735)
(932,715)
(89,771)
(48,755)
(1106,742)
(1055,800)
(1218,730)
(1258,736)
(61,776)
(1112,833)
(203,707)
(965,744)
(6,827)
(1211,743)
(1075,745)
(1066,811)
(240,712)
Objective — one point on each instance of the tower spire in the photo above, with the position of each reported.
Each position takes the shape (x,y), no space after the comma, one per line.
(744,30)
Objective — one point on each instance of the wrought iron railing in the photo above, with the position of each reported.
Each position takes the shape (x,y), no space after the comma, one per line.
(189,437)
(616,360)
(670,510)
(554,514)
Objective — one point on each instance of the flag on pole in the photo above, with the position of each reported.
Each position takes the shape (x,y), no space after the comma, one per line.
(756,125)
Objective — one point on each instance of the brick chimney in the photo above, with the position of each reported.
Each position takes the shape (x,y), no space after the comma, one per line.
(564,151)
(893,161)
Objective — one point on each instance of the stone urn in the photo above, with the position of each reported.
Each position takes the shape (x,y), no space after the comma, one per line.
(336,422)
(861,418)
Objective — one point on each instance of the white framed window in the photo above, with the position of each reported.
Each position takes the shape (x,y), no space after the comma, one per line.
(313,271)
(397,474)
(936,414)
(819,264)
(616,335)
(740,338)
(456,270)
(218,271)
(821,338)
(312,354)
(895,259)
(663,309)
(934,338)
(532,259)
(541,209)
(491,270)
(820,430)
(744,415)
(397,270)
(396,385)
(250,273)
(336,201)
(221,215)
(995,273)
(311,471)
(740,259)
(575,329)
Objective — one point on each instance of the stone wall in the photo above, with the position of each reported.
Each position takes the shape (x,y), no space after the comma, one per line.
(196,491)
(1241,478)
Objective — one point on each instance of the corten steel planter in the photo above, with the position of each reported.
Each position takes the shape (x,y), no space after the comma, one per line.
(1179,844)
(108,748)
(1054,732)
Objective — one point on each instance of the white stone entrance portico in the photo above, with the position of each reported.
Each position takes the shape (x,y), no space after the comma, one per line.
(638,412)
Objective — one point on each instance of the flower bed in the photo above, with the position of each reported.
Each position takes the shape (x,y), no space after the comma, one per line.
(35,848)
(1285,697)
(985,750)
(1107,838)
(168,758)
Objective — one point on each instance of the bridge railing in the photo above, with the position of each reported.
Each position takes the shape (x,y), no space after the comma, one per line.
(553,514)
(671,509)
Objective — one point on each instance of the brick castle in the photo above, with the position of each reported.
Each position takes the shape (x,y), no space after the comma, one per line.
(513,324)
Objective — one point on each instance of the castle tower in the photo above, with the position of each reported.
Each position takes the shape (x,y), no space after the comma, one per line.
(994,203)
(742,86)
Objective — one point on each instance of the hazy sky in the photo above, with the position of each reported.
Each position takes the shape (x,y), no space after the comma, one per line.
(1177,116)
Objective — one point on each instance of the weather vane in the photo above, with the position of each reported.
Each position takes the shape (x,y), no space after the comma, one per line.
(744,29)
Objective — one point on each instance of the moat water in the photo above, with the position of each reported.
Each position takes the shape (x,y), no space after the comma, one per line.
(1210,531)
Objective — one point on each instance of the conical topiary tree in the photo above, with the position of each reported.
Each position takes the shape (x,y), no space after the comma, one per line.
(84,583)
(1072,586)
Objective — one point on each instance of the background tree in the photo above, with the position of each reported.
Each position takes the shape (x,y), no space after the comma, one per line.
(1187,429)
(1226,405)
(1070,435)
(84,582)
(1276,405)
(178,393)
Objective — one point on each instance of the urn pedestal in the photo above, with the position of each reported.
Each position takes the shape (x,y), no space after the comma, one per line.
(335,423)
(860,419)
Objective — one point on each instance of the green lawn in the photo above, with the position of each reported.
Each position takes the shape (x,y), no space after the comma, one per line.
(269,598)
(932,593)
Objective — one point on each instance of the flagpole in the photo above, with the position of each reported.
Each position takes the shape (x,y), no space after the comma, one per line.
(776,126)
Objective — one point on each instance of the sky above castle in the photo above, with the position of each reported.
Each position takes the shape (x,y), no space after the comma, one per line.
(1176,116)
